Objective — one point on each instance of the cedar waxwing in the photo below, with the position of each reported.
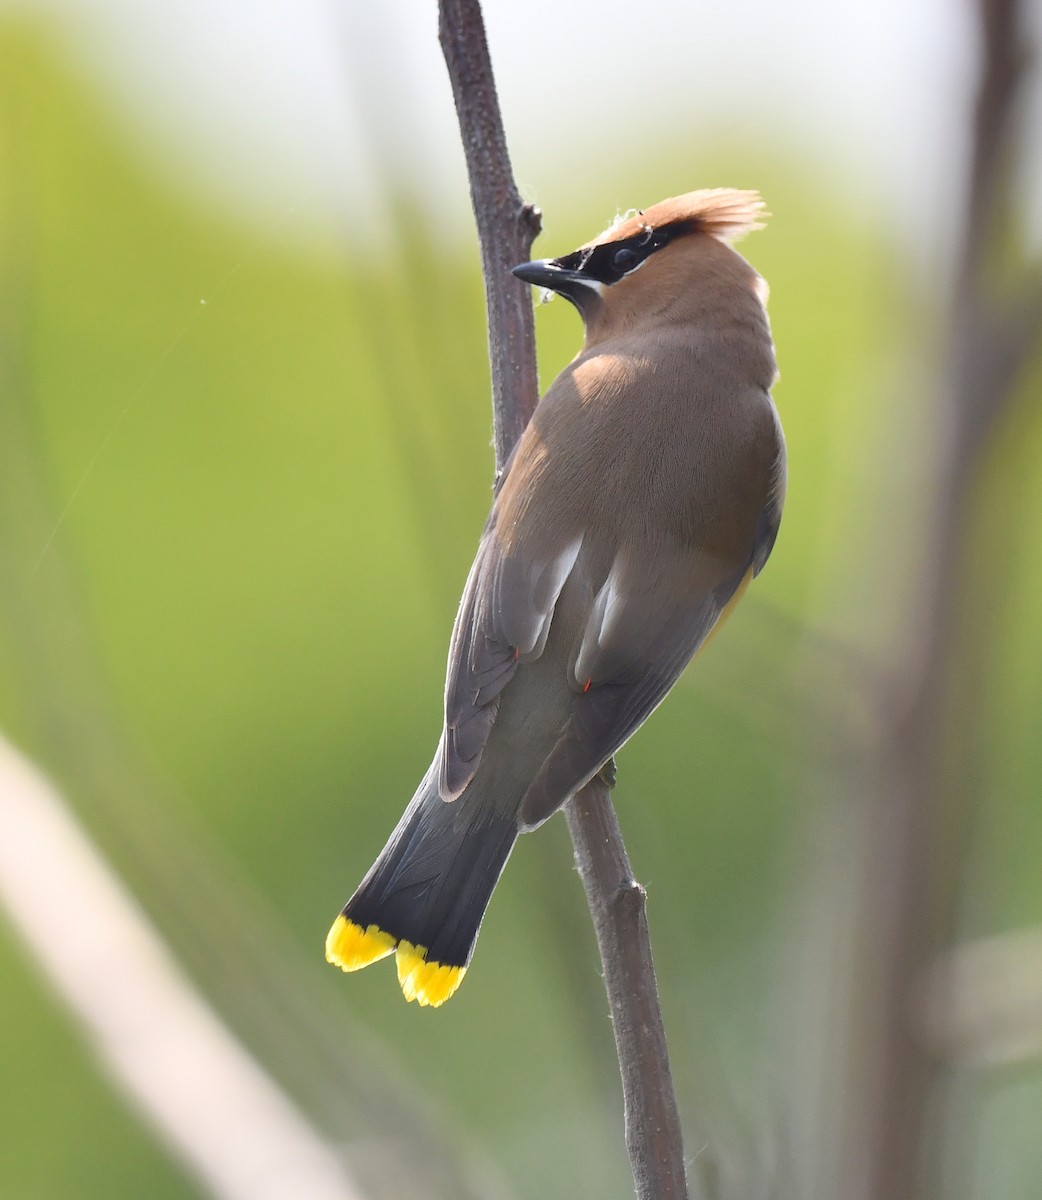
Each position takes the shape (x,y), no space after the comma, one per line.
(644,495)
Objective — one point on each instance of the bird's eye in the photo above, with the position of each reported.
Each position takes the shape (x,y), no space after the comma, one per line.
(624,260)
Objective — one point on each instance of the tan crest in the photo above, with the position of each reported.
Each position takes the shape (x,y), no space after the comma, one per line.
(725,213)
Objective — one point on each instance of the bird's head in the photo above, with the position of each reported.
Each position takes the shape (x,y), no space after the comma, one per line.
(647,261)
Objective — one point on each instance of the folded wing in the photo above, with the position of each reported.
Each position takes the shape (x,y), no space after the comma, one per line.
(646,623)
(503,621)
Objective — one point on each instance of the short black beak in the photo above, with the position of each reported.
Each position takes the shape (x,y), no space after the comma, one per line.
(545,272)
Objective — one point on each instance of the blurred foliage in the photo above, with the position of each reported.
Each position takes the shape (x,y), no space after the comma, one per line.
(239,492)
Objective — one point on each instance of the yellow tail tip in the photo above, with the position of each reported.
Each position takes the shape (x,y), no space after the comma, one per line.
(426,982)
(350,947)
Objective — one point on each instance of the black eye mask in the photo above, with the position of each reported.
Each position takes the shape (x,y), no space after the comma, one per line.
(611,261)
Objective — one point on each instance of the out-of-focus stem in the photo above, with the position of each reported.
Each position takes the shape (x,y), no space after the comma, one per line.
(203,1093)
(922,801)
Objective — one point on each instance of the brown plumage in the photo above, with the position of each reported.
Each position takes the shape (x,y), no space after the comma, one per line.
(643,496)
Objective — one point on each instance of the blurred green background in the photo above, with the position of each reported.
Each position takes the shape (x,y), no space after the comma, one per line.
(240,487)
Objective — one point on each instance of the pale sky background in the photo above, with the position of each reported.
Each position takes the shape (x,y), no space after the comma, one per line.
(274,108)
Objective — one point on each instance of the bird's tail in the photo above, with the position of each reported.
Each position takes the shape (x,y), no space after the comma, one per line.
(426,894)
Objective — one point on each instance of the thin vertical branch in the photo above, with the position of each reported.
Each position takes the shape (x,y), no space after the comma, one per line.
(507,226)
(618,904)
(506,229)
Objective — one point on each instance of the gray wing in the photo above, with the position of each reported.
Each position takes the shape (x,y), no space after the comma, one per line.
(770,519)
(646,623)
(630,627)
(503,620)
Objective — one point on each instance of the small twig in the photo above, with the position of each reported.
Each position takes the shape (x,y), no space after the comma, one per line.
(506,230)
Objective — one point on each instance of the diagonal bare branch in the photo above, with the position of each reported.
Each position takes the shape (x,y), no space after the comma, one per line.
(204,1095)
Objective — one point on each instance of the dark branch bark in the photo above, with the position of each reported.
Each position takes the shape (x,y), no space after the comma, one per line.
(507,226)
(506,229)
(618,904)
